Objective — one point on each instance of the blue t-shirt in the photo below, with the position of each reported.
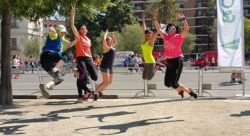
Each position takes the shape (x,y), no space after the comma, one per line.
(53,44)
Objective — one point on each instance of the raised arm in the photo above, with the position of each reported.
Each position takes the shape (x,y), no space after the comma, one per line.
(152,41)
(143,25)
(112,34)
(67,43)
(105,46)
(72,21)
(157,25)
(185,23)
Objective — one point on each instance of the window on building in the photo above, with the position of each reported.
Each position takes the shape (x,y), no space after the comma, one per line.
(246,11)
(199,13)
(45,25)
(13,44)
(13,23)
(246,2)
(198,4)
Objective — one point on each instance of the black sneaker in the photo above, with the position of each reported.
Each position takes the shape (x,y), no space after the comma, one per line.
(100,94)
(192,93)
(54,74)
(58,80)
(95,96)
(44,90)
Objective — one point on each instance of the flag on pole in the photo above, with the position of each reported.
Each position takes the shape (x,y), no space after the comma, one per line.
(230,33)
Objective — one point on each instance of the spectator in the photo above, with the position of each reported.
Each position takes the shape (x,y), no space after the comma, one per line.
(15,65)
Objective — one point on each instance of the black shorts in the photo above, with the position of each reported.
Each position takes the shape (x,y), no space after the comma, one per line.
(173,72)
(49,60)
(107,70)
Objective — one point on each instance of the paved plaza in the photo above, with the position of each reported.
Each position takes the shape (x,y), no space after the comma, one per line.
(126,117)
(166,114)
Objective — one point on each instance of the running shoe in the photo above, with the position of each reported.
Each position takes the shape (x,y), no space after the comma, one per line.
(192,93)
(87,96)
(95,96)
(44,90)
(80,100)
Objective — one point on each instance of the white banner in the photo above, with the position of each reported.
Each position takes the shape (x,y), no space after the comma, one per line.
(230,33)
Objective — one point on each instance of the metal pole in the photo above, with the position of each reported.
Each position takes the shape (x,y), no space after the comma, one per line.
(146,88)
(202,81)
(243,80)
(199,88)
(243,49)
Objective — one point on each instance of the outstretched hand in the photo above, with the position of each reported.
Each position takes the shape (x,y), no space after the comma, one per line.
(73,9)
(107,31)
(112,33)
(180,15)
(143,16)
(155,14)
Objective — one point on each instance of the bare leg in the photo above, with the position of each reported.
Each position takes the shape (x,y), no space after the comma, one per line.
(105,83)
(59,64)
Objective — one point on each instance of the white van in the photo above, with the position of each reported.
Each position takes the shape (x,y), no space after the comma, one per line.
(120,57)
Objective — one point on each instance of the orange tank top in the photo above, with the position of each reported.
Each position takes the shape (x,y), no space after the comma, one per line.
(83,47)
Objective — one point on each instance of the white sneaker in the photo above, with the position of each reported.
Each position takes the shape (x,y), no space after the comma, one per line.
(80,100)
(44,89)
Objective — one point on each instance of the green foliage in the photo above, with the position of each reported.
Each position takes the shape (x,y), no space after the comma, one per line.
(166,9)
(189,43)
(130,39)
(118,13)
(247,34)
(31,9)
(87,8)
(32,48)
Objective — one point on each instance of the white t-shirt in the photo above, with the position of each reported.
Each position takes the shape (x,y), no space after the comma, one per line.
(15,62)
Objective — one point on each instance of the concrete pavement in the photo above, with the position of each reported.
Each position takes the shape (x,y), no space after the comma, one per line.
(126,117)
(126,85)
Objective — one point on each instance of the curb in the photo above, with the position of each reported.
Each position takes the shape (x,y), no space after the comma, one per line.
(60,97)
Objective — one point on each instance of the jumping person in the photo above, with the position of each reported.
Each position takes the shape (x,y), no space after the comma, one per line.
(108,44)
(84,57)
(147,49)
(172,43)
(52,58)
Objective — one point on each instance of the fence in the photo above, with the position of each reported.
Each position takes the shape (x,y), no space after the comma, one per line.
(209,81)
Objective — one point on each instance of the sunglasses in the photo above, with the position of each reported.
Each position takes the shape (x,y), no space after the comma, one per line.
(171,28)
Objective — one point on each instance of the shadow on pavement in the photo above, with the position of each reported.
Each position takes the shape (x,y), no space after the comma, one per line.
(12,130)
(124,127)
(102,116)
(13,112)
(61,103)
(242,114)
(51,118)
(67,111)
(228,83)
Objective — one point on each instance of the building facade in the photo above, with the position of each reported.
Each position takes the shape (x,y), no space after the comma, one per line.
(51,23)
(21,32)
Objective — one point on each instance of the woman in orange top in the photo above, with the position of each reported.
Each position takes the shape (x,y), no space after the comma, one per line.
(84,59)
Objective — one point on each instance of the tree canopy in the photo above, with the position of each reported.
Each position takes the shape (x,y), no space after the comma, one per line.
(33,10)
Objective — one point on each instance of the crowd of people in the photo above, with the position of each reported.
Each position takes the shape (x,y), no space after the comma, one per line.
(19,65)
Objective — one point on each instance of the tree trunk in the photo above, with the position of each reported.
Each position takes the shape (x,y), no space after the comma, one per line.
(6,88)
